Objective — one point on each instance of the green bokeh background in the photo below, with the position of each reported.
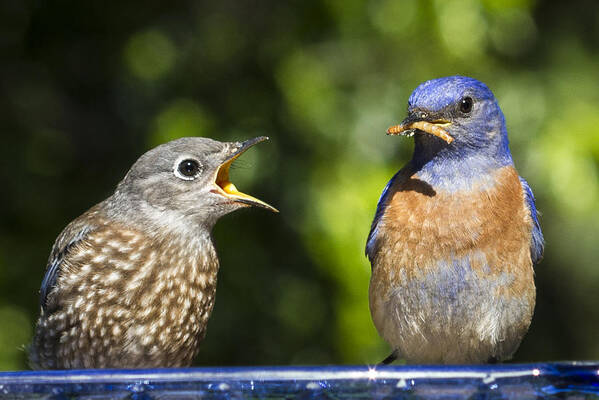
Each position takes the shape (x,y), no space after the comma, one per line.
(87,87)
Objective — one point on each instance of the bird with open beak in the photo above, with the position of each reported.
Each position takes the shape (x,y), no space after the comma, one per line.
(455,234)
(131,283)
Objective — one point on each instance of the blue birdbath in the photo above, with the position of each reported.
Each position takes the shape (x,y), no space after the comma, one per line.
(577,380)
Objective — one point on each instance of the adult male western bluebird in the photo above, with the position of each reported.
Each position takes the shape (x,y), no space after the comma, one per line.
(455,235)
(131,282)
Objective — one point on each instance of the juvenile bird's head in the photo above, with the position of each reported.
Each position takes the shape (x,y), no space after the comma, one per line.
(455,117)
(184,181)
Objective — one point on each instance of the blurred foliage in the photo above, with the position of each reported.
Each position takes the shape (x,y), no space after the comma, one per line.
(87,87)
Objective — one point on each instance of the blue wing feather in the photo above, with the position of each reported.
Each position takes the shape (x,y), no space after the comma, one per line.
(380,210)
(49,280)
(537,244)
(55,263)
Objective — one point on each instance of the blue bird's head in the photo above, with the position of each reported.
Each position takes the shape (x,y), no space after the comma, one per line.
(454,118)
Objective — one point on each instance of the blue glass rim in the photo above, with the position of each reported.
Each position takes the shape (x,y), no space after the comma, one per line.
(541,380)
(295,373)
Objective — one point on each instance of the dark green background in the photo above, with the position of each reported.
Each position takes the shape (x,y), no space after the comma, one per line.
(87,86)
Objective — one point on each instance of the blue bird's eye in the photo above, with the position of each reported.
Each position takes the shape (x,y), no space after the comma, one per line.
(466,105)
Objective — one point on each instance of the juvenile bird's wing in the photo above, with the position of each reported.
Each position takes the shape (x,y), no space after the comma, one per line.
(71,236)
(380,210)
(537,243)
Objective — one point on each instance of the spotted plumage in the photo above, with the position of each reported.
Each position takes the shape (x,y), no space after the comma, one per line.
(455,235)
(131,283)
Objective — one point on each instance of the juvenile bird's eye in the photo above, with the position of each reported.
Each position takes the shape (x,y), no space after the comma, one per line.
(466,105)
(188,169)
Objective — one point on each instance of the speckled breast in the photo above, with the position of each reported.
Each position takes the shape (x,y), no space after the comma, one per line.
(130,301)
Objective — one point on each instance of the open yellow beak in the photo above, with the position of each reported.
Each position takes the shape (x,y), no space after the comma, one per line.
(434,128)
(227,187)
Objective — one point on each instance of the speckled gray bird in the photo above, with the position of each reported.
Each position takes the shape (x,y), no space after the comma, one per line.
(131,283)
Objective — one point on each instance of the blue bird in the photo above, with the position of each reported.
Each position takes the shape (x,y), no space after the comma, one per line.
(455,234)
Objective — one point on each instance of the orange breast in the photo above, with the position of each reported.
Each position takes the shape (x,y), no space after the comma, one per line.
(421,226)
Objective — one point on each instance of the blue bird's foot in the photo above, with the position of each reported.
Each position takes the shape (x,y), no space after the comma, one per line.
(390,358)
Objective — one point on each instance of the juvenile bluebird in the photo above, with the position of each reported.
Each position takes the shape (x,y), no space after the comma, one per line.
(131,282)
(455,234)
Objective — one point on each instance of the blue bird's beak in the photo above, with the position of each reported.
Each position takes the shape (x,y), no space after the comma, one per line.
(413,123)
(228,189)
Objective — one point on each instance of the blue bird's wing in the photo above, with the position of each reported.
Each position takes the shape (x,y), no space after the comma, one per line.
(380,210)
(537,243)
(69,238)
